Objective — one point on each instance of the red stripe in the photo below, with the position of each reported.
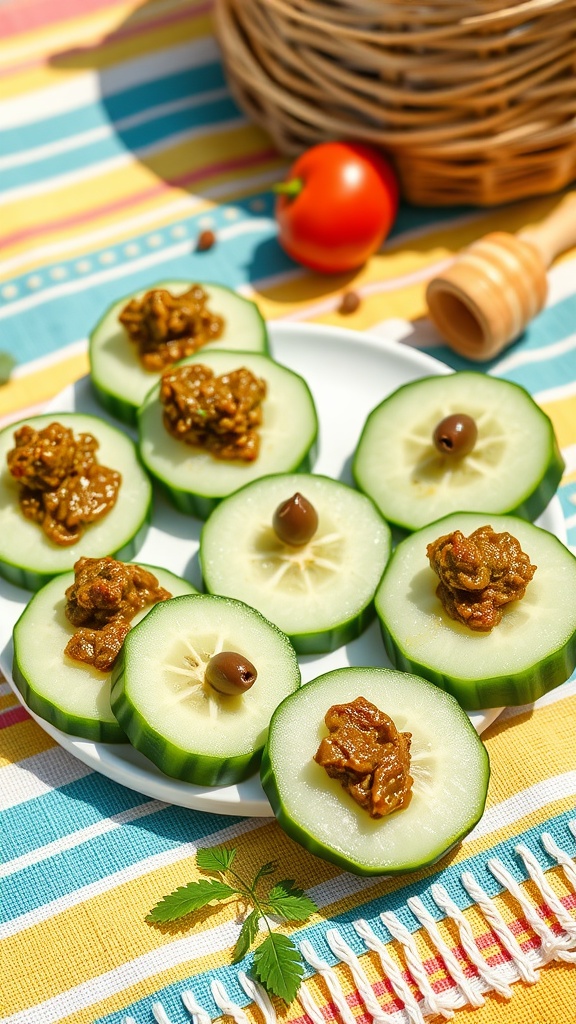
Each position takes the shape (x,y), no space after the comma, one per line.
(127,31)
(18,17)
(13,717)
(221,167)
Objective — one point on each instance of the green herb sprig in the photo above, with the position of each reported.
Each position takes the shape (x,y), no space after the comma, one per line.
(7,364)
(277,962)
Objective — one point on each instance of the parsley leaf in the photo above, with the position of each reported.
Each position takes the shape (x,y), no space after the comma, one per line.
(247,935)
(216,859)
(7,364)
(266,869)
(289,902)
(278,966)
(277,962)
(189,897)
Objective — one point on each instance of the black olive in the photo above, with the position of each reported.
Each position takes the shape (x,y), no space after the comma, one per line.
(295,521)
(230,673)
(456,434)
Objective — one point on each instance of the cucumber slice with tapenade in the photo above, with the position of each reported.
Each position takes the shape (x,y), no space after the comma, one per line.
(118,377)
(319,590)
(173,715)
(448,764)
(193,478)
(28,557)
(513,465)
(74,697)
(529,652)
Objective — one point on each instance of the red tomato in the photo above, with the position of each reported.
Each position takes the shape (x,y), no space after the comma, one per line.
(342,205)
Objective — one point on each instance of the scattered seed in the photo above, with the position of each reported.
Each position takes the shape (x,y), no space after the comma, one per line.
(206,239)
(349,302)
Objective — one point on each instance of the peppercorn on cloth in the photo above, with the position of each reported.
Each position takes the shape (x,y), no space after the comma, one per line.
(119,144)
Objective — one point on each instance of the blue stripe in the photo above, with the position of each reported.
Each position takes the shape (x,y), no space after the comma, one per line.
(132,139)
(170,997)
(550,326)
(101,856)
(59,321)
(61,812)
(112,108)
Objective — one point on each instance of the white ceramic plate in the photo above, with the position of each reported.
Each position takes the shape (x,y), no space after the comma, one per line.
(348,373)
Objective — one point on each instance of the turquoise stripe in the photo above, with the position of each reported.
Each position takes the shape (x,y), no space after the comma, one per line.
(548,372)
(62,320)
(170,996)
(59,321)
(61,812)
(210,114)
(550,326)
(101,856)
(112,109)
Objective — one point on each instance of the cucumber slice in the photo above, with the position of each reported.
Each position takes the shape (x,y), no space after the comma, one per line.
(449,766)
(194,480)
(529,652)
(187,729)
(27,557)
(72,696)
(320,594)
(119,379)
(514,467)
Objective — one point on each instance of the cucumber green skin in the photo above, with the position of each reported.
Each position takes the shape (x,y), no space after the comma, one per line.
(199,769)
(498,691)
(122,409)
(330,639)
(89,729)
(118,407)
(170,758)
(29,579)
(532,504)
(200,505)
(319,849)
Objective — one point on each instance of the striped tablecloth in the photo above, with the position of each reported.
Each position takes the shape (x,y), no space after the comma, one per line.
(119,143)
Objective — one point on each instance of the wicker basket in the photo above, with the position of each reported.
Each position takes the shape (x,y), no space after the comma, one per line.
(476,102)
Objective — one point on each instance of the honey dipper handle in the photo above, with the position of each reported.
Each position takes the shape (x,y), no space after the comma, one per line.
(555,233)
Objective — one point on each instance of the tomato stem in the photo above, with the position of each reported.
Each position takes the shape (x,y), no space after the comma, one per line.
(292,187)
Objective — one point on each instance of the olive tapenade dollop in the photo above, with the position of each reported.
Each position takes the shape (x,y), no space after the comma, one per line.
(62,485)
(368,756)
(102,601)
(220,414)
(168,327)
(479,574)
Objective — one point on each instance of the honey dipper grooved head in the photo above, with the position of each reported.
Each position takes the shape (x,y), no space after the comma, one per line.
(485,299)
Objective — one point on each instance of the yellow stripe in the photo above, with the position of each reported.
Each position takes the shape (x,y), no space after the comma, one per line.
(56,38)
(41,386)
(524,742)
(238,187)
(8,700)
(83,30)
(126,182)
(80,961)
(562,412)
(406,256)
(22,740)
(103,54)
(519,743)
(130,902)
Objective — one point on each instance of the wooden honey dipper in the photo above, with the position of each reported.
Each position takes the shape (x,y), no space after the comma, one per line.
(485,299)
